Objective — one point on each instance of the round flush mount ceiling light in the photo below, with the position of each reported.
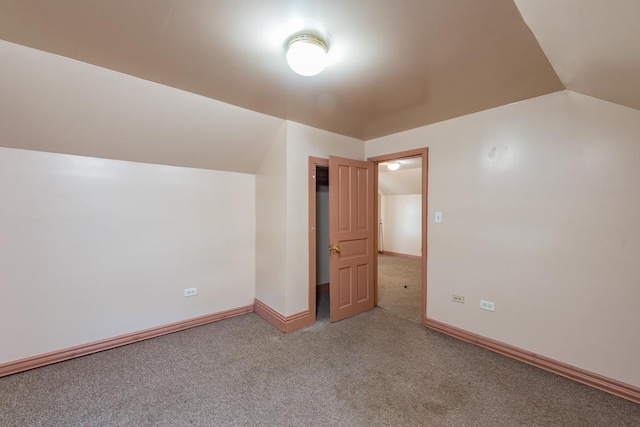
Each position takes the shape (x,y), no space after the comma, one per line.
(307,54)
(393,166)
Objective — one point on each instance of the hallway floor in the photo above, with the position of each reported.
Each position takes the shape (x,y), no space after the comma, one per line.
(400,286)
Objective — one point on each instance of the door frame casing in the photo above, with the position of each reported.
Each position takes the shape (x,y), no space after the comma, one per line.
(318,161)
(424,154)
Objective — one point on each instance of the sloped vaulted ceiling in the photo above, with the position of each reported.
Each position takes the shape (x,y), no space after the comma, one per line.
(593,45)
(395,65)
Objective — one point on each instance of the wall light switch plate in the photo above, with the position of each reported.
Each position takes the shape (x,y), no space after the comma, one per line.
(190,292)
(438,217)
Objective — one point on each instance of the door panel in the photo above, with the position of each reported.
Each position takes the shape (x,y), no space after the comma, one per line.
(363,283)
(345,289)
(351,233)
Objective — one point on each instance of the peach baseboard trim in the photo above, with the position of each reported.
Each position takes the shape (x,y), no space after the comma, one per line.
(413,257)
(600,382)
(283,323)
(108,343)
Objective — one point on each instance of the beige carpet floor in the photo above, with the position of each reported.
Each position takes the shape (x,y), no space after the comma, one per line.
(400,286)
(375,369)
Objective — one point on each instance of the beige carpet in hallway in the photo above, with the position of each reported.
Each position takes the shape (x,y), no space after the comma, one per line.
(400,286)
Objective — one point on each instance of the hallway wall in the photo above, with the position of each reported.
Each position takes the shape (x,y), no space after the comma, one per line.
(402,223)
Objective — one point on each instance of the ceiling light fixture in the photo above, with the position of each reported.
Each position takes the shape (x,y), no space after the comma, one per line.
(307,54)
(393,166)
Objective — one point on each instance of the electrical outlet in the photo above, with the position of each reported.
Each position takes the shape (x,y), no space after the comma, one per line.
(487,305)
(190,292)
(457,298)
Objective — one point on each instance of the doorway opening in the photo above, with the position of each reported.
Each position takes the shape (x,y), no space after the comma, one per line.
(319,294)
(400,237)
(322,243)
(318,239)
(399,260)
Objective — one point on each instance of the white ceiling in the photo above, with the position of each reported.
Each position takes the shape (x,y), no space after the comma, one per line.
(593,45)
(406,180)
(408,163)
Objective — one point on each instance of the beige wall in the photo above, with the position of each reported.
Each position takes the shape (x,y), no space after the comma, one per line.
(540,203)
(95,248)
(402,223)
(271,224)
(69,281)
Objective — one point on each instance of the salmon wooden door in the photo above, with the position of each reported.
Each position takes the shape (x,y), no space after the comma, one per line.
(351,234)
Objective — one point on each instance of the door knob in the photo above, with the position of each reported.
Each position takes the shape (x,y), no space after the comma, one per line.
(334,248)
